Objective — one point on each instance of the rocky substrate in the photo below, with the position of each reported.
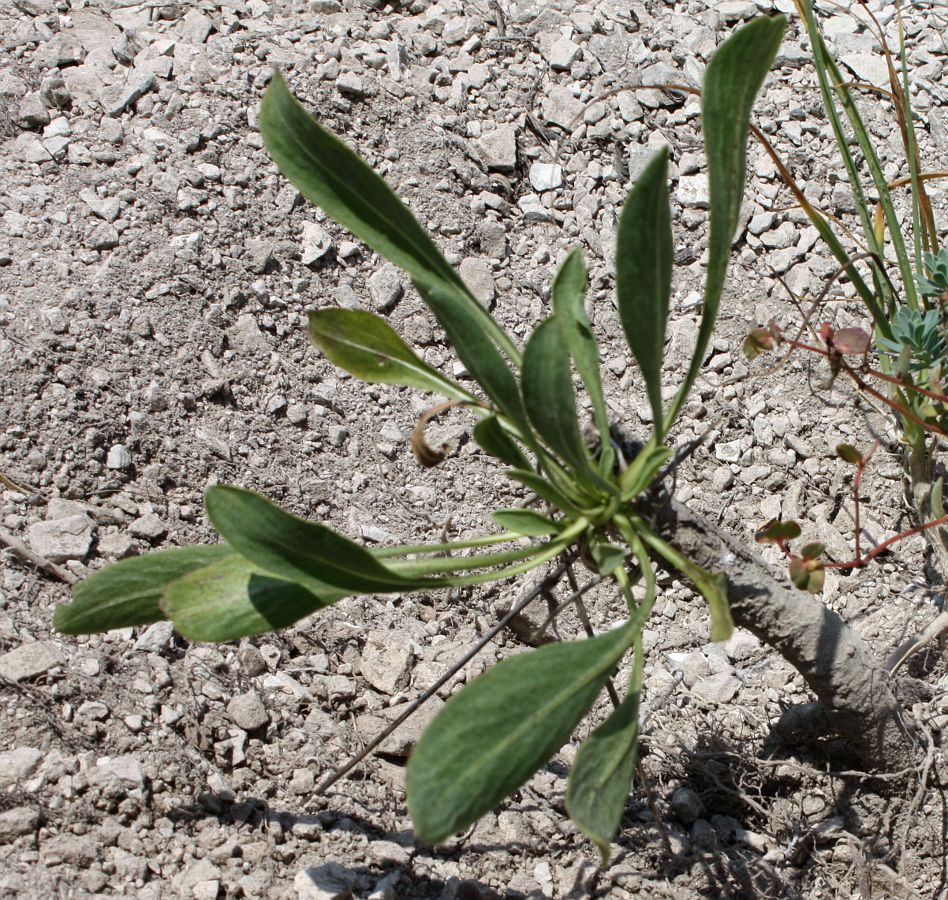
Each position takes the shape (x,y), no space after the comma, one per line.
(155,273)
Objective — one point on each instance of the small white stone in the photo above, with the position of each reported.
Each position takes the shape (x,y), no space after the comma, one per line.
(119,457)
(545,176)
(316,243)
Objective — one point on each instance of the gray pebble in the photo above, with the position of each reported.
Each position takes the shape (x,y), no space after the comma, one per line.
(478,276)
(316,243)
(686,805)
(116,98)
(717,689)
(386,662)
(545,176)
(386,287)
(18,764)
(155,638)
(330,881)
(248,712)
(18,821)
(62,539)
(498,148)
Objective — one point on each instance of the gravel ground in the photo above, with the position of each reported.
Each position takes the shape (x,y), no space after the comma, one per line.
(155,273)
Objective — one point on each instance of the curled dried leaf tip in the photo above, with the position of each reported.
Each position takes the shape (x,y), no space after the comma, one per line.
(428,456)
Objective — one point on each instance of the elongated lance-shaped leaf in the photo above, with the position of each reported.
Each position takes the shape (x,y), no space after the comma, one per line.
(331,175)
(127,592)
(526,521)
(478,353)
(733,77)
(494,440)
(493,735)
(546,490)
(568,295)
(369,348)
(296,549)
(550,401)
(644,257)
(601,777)
(234,598)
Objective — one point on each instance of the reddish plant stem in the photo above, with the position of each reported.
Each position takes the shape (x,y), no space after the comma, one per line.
(863,385)
(862,562)
(863,462)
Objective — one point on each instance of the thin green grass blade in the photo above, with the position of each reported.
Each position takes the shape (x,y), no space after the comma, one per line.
(832,81)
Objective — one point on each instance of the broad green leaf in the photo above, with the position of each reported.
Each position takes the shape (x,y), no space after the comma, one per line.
(234,598)
(545,490)
(495,441)
(550,401)
(331,175)
(527,522)
(296,549)
(369,348)
(493,735)
(644,256)
(127,592)
(601,777)
(731,83)
(568,295)
(813,551)
(607,557)
(478,353)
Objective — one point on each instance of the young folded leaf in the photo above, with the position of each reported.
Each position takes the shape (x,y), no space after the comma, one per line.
(234,598)
(493,735)
(369,348)
(568,295)
(551,404)
(644,257)
(127,592)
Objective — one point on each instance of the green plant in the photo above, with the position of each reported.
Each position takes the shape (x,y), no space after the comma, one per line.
(274,568)
(918,340)
(909,274)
